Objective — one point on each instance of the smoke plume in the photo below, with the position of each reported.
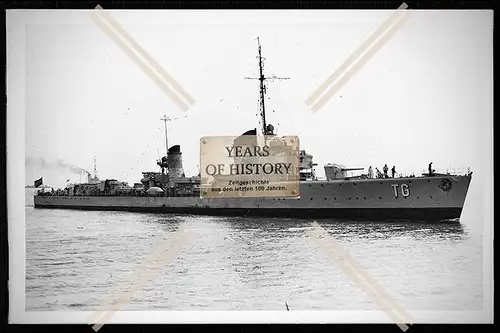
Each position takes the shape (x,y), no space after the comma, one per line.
(53,165)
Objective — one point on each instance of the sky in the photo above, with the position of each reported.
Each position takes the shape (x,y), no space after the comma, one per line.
(425,96)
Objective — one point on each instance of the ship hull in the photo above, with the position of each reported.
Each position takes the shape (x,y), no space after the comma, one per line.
(419,199)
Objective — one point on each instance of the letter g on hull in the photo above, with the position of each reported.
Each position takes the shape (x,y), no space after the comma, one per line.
(405,190)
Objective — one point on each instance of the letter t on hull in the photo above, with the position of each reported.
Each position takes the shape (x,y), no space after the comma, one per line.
(395,187)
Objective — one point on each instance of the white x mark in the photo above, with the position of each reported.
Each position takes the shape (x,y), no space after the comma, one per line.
(360,276)
(358,59)
(164,80)
(142,275)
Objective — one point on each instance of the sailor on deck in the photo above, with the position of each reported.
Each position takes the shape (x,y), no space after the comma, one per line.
(370,172)
(393,171)
(430,169)
(385,171)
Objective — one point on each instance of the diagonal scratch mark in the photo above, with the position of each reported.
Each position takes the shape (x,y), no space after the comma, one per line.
(359,275)
(356,54)
(382,34)
(164,80)
(147,57)
(353,70)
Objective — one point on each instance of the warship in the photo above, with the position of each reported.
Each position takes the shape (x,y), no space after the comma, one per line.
(430,196)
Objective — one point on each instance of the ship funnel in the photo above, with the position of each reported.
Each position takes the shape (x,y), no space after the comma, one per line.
(249,138)
(174,162)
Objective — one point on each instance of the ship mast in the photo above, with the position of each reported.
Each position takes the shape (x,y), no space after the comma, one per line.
(165,118)
(266,129)
(262,91)
(95,168)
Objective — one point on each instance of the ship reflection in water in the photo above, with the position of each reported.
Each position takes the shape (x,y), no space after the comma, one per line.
(75,259)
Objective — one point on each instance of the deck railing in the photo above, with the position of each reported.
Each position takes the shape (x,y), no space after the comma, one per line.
(132,194)
(446,171)
(410,173)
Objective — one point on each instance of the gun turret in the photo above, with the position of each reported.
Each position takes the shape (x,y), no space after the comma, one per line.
(338,171)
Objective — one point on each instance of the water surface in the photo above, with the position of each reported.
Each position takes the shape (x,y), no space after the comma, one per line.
(77,259)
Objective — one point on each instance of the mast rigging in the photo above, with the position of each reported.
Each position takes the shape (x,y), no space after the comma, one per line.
(165,118)
(267,129)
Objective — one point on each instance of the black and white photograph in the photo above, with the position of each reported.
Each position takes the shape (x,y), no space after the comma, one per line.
(250,166)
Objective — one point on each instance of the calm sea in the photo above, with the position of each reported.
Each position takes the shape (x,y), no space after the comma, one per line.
(77,259)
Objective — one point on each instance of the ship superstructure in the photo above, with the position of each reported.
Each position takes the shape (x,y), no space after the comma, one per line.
(428,197)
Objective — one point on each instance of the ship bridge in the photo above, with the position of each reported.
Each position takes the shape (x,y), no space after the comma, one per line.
(306,166)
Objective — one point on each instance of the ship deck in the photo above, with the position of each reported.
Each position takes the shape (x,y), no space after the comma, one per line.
(406,198)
